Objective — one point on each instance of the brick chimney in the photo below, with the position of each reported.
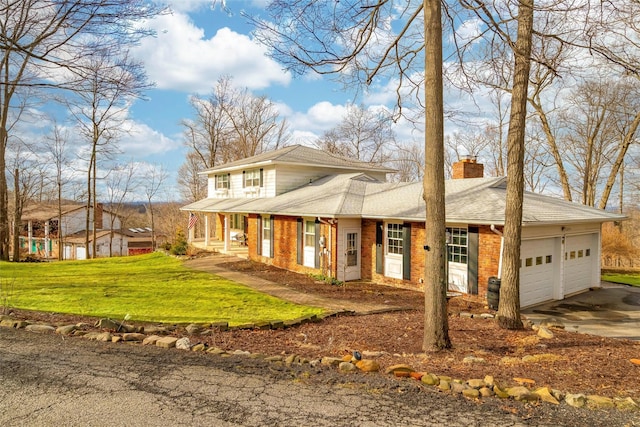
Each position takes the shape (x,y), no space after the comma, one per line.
(467,167)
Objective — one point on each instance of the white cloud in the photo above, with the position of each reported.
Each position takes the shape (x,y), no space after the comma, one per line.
(317,119)
(141,141)
(181,58)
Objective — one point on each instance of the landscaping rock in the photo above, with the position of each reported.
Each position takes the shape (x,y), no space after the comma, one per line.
(220,326)
(627,404)
(167,342)
(150,340)
(458,388)
(346,367)
(104,337)
(116,338)
(330,361)
(107,324)
(487,316)
(552,322)
(471,393)
(368,365)
(41,329)
(600,402)
(575,400)
(430,379)
(486,392)
(500,392)
(183,344)
(473,359)
(489,380)
(399,369)
(476,383)
(522,393)
(133,336)
(545,333)
(545,395)
(198,347)
(444,385)
(193,329)
(216,351)
(66,330)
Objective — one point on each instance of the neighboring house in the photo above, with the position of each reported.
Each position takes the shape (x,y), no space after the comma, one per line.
(42,227)
(308,211)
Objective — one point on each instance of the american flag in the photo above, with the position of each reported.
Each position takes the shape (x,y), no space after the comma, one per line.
(193,218)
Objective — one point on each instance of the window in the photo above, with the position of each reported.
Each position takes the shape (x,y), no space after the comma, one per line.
(587,252)
(549,259)
(252,178)
(538,260)
(352,249)
(222,182)
(394,239)
(458,245)
(310,234)
(528,262)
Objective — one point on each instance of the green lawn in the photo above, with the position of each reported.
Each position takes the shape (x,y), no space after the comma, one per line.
(152,287)
(625,279)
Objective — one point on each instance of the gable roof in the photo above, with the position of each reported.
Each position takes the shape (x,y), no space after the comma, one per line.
(468,201)
(299,155)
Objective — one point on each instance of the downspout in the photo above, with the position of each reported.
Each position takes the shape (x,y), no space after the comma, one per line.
(499,233)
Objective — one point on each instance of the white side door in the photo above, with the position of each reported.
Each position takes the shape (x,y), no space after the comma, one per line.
(351,254)
(393,250)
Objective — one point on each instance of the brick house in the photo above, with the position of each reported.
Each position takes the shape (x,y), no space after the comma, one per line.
(308,211)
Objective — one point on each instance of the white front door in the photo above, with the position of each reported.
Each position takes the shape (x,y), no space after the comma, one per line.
(393,251)
(457,254)
(352,254)
(309,254)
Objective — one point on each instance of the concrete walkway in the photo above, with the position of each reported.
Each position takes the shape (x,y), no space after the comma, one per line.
(211,264)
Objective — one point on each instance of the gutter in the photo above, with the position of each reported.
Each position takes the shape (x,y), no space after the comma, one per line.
(499,233)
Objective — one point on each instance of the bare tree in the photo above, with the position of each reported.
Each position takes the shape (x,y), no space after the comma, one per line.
(120,182)
(152,183)
(27,176)
(193,186)
(110,81)
(40,39)
(363,134)
(209,134)
(56,146)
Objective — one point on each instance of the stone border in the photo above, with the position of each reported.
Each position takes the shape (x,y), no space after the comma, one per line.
(474,388)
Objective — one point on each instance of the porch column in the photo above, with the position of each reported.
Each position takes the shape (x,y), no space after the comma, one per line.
(227,234)
(192,231)
(206,230)
(30,237)
(46,239)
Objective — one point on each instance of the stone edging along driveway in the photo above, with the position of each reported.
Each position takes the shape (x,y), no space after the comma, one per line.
(107,330)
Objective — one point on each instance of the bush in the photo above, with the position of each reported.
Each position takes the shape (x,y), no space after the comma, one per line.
(180,245)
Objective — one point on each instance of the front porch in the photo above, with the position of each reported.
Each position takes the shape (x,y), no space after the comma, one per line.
(217,246)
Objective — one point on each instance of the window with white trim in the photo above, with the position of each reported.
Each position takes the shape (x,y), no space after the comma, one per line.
(222,182)
(458,244)
(310,234)
(252,178)
(394,239)
(266,236)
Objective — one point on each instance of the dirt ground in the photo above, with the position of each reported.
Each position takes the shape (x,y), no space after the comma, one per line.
(569,361)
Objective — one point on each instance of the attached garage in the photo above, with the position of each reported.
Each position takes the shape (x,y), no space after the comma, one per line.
(537,271)
(579,260)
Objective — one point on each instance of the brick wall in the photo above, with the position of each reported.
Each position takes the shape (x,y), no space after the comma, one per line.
(488,258)
(285,238)
(467,169)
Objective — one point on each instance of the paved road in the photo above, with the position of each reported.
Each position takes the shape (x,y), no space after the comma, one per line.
(46,380)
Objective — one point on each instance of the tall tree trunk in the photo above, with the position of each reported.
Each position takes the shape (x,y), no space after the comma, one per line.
(509,307)
(60,234)
(94,244)
(4,197)
(436,327)
(17,217)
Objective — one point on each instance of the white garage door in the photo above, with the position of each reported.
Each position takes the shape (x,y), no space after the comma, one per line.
(579,256)
(536,271)
(81,252)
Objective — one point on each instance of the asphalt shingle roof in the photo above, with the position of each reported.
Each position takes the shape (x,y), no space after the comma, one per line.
(302,156)
(471,201)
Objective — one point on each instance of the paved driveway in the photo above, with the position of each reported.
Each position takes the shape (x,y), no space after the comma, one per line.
(610,311)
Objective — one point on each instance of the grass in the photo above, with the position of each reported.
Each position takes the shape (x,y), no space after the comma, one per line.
(625,279)
(153,288)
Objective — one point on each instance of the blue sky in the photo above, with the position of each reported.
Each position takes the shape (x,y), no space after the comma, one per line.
(196,44)
(200,41)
